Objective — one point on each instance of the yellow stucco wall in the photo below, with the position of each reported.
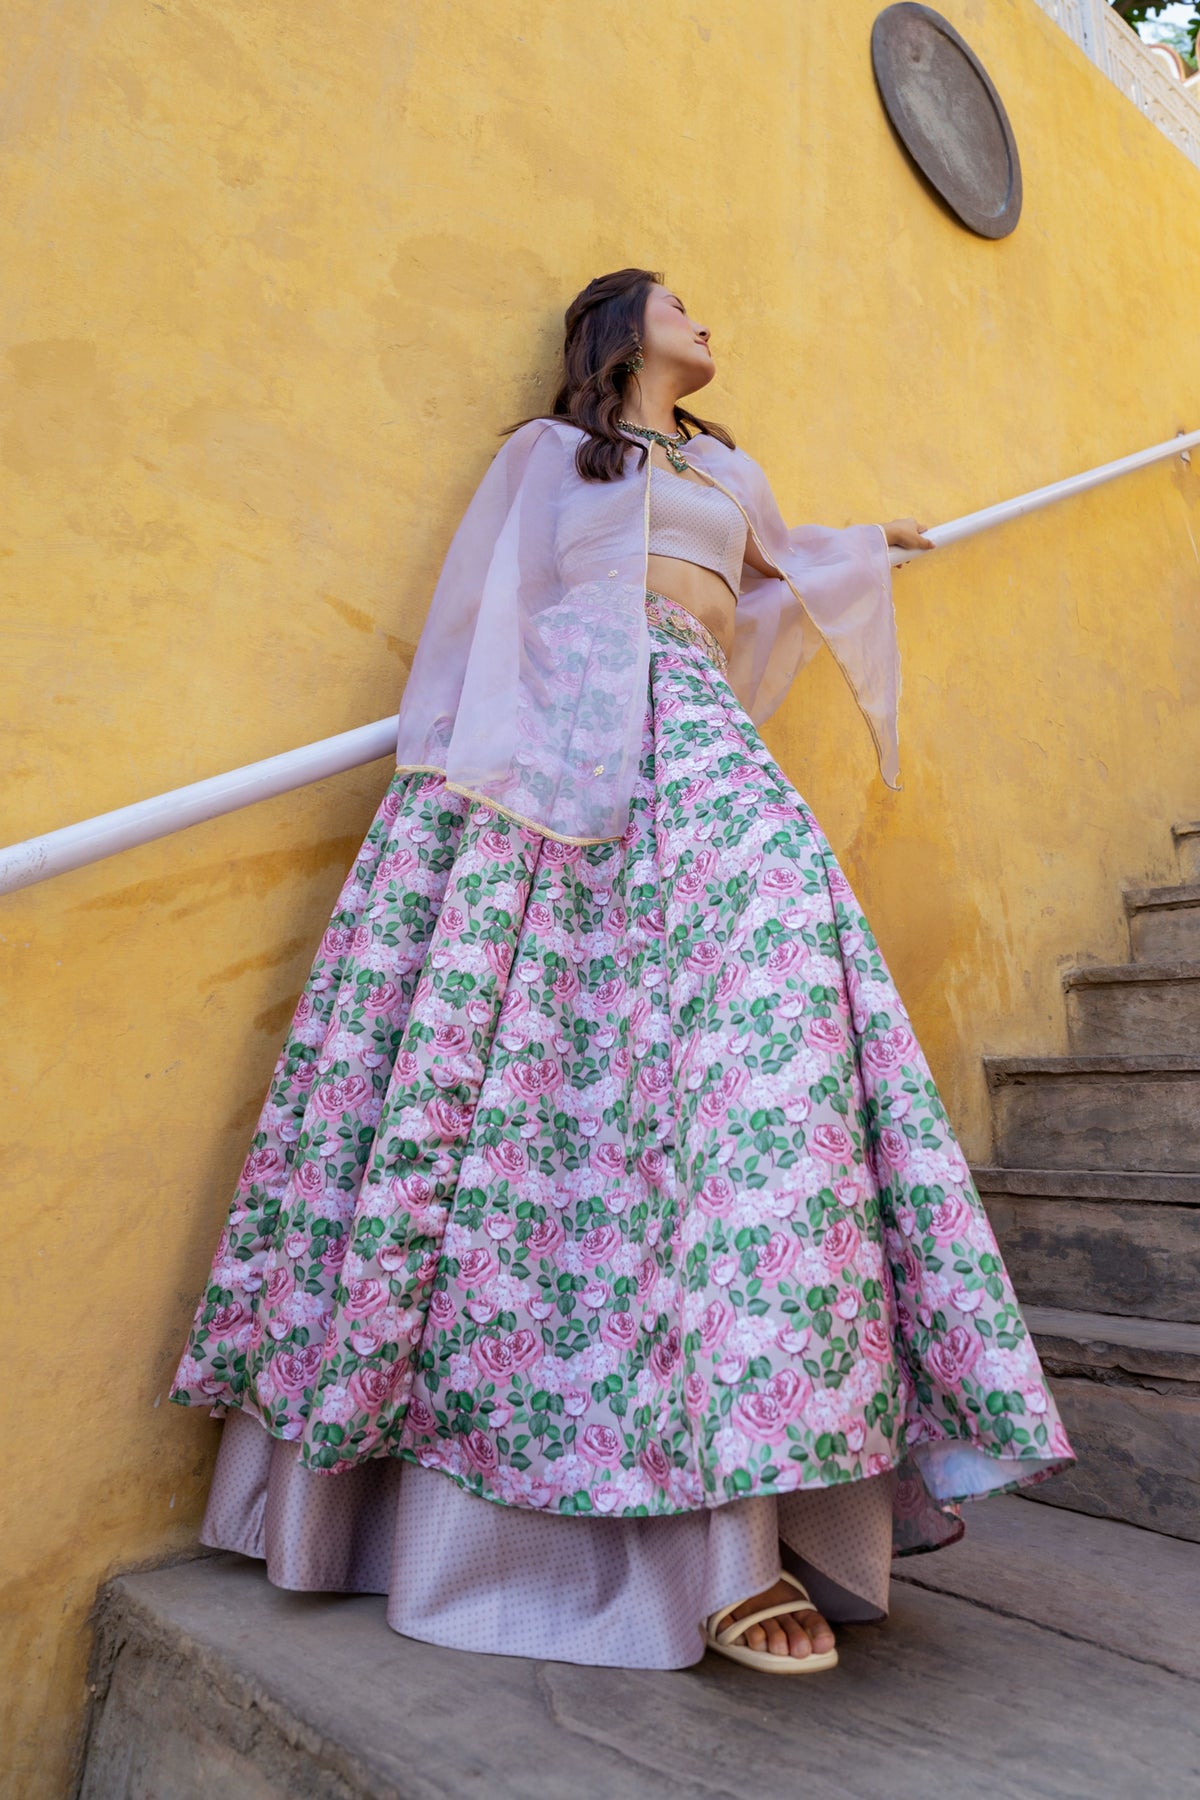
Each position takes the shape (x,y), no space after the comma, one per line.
(274,275)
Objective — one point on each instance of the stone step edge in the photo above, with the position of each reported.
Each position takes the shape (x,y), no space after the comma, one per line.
(1148,1187)
(1000,1069)
(1162,899)
(1116,1348)
(1116,974)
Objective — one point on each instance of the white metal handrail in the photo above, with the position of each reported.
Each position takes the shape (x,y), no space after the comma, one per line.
(71,847)
(970,523)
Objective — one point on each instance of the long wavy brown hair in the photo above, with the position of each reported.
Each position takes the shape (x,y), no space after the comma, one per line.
(603,326)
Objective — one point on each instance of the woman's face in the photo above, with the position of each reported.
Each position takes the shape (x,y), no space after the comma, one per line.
(672,342)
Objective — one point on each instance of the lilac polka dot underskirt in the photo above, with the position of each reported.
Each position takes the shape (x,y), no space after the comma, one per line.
(463,1572)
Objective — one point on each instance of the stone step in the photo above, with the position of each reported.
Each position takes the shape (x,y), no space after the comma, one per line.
(1131,1007)
(1187,849)
(1127,1244)
(1096,1112)
(1129,1394)
(1107,1347)
(1164,923)
(209,1681)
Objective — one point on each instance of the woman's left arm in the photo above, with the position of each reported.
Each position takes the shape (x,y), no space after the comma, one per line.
(902,534)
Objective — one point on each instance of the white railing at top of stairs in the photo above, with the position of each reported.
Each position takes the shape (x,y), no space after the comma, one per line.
(37,859)
(1116,48)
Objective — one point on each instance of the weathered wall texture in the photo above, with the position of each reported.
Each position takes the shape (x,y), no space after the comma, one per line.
(274,275)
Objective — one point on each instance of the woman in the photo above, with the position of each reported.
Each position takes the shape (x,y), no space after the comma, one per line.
(603,1229)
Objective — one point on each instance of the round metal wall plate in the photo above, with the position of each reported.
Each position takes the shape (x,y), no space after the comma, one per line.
(949,116)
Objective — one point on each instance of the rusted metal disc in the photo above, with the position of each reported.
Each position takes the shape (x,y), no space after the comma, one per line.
(949,116)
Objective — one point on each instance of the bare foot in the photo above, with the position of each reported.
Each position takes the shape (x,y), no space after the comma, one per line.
(797,1633)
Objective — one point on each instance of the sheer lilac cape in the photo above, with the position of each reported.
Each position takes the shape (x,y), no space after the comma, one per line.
(528,687)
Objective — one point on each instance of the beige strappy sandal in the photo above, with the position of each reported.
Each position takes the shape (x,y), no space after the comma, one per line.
(726,1641)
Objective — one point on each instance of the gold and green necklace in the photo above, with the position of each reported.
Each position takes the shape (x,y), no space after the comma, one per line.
(677,462)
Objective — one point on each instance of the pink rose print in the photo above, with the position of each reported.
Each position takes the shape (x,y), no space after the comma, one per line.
(412,1192)
(452,921)
(545,1238)
(776,1257)
(952,1357)
(366,1341)
(330,1099)
(565,985)
(508,1158)
(951,1219)
(619,1329)
(654,1460)
(373,1386)
(654,1081)
(874,1338)
(608,1158)
(832,1142)
(767,1414)
(729,982)
(665,1356)
(506,1355)
(382,999)
(703,957)
(826,1035)
(295,1370)
(533,1076)
(716,1196)
(476,1267)
(308,1179)
(840,1243)
(597,1245)
(481,1452)
(785,957)
(365,1297)
(714,1324)
(601,1444)
(260,1165)
(652,1165)
(893,1147)
(333,1255)
(880,1058)
(419,1417)
(442,1309)
(279,1285)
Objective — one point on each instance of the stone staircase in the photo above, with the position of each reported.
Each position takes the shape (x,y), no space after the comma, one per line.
(1095,1201)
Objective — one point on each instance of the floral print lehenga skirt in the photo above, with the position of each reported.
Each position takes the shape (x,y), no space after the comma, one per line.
(603,1242)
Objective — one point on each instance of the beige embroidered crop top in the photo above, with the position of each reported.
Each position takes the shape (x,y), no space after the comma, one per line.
(697,523)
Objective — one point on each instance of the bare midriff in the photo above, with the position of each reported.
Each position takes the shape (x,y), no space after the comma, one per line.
(701,591)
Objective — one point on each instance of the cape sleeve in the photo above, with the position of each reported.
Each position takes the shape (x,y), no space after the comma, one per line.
(843,597)
(528,686)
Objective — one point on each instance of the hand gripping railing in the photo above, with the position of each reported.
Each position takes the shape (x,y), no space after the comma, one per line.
(37,859)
